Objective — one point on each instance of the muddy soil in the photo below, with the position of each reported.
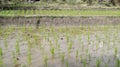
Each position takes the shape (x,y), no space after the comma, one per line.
(59,20)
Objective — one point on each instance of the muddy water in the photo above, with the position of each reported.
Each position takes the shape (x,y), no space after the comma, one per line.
(98,45)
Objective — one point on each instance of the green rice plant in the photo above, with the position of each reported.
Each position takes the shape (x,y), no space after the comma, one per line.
(98,62)
(1,57)
(23,66)
(84,63)
(29,57)
(58,46)
(70,46)
(63,57)
(115,51)
(52,51)
(76,55)
(87,51)
(106,65)
(5,43)
(67,38)
(46,61)
(82,46)
(50,43)
(97,46)
(89,56)
(88,36)
(61,12)
(1,62)
(97,37)
(17,47)
(14,59)
(67,65)
(1,52)
(117,63)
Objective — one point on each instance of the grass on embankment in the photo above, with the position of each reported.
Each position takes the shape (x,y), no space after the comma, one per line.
(60,13)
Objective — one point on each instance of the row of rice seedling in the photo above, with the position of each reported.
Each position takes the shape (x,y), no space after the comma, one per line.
(60,12)
(65,42)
